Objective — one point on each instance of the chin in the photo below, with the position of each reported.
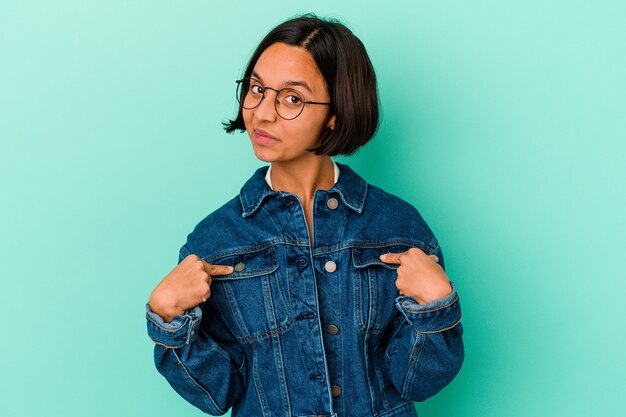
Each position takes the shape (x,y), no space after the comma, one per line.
(264,155)
(264,159)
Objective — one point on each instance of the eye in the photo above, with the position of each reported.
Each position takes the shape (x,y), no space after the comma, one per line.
(256,89)
(291,99)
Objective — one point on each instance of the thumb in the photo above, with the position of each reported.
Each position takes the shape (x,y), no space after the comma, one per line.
(217,269)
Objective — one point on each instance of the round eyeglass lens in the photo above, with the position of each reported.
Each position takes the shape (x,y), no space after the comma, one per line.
(289,103)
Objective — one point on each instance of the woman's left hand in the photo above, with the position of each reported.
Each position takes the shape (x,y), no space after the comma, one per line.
(419,275)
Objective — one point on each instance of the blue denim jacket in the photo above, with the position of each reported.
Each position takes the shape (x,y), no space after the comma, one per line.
(301,331)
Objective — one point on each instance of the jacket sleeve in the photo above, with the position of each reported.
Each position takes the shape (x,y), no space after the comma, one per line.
(208,374)
(424,351)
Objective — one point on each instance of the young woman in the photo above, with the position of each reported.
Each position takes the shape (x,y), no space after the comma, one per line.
(311,292)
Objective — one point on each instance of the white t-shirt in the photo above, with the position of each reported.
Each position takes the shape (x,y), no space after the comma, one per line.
(269,181)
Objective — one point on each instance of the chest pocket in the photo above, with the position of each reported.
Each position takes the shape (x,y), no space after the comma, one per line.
(375,286)
(251,300)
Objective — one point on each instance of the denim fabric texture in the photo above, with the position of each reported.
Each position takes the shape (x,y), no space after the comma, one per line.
(301,330)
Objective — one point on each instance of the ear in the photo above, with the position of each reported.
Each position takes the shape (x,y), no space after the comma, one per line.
(331,122)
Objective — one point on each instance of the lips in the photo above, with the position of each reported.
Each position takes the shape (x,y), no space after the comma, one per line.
(264,138)
(265,133)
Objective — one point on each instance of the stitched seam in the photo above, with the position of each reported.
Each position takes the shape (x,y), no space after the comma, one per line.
(436,309)
(318,250)
(410,375)
(163,344)
(182,365)
(264,335)
(248,275)
(170,330)
(243,363)
(418,344)
(369,245)
(246,250)
(440,330)
(269,269)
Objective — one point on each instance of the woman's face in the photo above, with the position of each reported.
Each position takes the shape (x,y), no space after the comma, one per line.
(279,64)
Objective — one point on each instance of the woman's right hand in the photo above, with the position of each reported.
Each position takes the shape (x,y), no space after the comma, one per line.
(186,286)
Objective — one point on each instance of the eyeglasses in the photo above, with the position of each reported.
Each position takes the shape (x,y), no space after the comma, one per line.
(288,103)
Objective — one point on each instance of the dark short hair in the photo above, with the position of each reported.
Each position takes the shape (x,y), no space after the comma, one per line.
(343,61)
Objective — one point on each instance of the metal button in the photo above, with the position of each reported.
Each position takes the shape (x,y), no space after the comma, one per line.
(332,329)
(336,390)
(332,203)
(240,266)
(330,266)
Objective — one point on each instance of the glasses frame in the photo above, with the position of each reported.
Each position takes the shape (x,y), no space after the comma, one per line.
(304,102)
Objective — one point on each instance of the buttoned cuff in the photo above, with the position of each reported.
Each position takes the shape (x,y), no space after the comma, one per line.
(433,317)
(178,332)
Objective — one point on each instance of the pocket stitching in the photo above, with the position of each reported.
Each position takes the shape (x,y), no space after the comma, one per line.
(243,334)
(248,274)
(365,269)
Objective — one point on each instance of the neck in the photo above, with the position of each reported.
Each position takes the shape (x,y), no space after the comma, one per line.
(303,177)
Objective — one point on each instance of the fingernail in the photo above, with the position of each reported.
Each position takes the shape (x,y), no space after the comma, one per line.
(382,257)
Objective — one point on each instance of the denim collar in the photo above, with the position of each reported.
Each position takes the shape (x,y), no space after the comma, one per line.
(351,187)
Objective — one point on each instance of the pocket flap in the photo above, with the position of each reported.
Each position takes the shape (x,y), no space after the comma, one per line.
(367,256)
(248,264)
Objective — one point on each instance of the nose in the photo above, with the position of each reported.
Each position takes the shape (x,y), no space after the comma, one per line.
(266,109)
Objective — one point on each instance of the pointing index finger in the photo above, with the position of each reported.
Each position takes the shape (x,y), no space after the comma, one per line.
(391,258)
(217,269)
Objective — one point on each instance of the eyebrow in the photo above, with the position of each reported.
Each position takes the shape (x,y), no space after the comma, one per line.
(287,83)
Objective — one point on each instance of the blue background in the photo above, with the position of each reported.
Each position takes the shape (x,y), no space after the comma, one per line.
(503,123)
